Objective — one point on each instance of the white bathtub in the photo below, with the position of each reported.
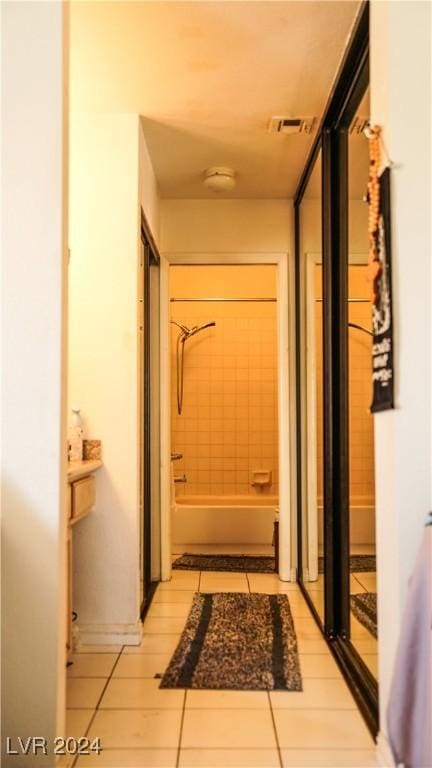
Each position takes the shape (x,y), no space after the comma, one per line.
(223,519)
(362,520)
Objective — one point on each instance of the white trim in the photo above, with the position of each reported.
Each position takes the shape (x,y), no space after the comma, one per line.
(286,571)
(111,634)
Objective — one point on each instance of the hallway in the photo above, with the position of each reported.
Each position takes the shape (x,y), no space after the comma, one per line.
(144,136)
(114,695)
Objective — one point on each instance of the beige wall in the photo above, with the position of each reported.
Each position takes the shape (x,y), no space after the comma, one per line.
(103,363)
(148,188)
(400,58)
(33,482)
(226,226)
(228,425)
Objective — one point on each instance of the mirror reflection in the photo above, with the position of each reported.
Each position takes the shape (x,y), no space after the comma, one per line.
(312,389)
(363,595)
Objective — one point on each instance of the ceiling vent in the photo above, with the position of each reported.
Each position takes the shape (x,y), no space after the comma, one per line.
(291,124)
(359,124)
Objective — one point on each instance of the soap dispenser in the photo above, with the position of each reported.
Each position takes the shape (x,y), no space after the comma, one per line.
(76,435)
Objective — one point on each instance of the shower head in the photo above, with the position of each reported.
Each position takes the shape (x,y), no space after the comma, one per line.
(184,335)
(182,327)
(186,332)
(198,328)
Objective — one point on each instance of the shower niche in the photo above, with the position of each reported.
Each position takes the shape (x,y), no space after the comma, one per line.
(224,404)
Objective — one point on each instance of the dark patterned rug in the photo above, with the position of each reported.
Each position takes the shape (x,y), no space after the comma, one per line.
(246,563)
(358,563)
(236,641)
(256,563)
(364,608)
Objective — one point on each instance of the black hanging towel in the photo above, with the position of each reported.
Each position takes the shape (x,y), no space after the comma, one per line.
(382,325)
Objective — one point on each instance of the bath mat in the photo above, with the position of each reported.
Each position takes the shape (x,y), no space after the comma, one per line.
(358,563)
(364,608)
(236,641)
(256,563)
(246,563)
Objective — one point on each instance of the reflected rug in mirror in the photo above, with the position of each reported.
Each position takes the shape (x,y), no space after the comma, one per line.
(358,563)
(237,641)
(364,608)
(246,563)
(256,563)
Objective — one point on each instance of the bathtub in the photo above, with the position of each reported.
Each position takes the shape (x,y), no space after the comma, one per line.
(223,519)
(362,520)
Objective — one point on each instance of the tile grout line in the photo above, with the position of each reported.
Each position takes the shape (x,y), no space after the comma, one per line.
(181,730)
(275,730)
(96,709)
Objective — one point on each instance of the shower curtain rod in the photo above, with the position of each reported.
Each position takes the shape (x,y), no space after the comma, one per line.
(354,301)
(220,298)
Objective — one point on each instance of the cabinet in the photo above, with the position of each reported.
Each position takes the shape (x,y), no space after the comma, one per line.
(81,498)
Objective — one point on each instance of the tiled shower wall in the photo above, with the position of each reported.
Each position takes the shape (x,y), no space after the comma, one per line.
(361,444)
(228,427)
(361,437)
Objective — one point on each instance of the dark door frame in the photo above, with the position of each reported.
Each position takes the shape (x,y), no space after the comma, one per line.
(151,258)
(332,139)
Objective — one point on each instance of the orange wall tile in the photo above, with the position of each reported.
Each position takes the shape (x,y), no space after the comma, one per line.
(228,426)
(361,437)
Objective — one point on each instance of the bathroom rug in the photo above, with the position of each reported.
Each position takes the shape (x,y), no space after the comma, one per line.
(246,563)
(358,564)
(364,608)
(236,641)
(256,563)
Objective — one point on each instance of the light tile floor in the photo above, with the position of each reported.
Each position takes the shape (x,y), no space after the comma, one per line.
(363,641)
(114,695)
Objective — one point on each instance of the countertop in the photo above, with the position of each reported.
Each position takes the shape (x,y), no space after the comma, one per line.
(77,469)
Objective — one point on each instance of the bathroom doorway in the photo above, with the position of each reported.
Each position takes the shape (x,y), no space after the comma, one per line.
(224,408)
(227,358)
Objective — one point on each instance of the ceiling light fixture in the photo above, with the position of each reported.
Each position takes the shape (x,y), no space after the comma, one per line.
(219,179)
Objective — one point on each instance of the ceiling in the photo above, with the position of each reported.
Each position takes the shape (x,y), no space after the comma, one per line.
(206,77)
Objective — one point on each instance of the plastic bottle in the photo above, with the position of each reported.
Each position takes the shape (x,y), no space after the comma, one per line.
(76,435)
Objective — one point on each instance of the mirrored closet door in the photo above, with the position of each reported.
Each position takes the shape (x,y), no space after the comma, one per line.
(363,594)
(335,437)
(311,385)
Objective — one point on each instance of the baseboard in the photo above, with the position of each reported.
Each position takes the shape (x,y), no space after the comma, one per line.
(384,754)
(110,634)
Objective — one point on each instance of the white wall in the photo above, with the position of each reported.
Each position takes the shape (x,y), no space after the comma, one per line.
(148,189)
(400,103)
(230,226)
(104,242)
(110,177)
(34,208)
